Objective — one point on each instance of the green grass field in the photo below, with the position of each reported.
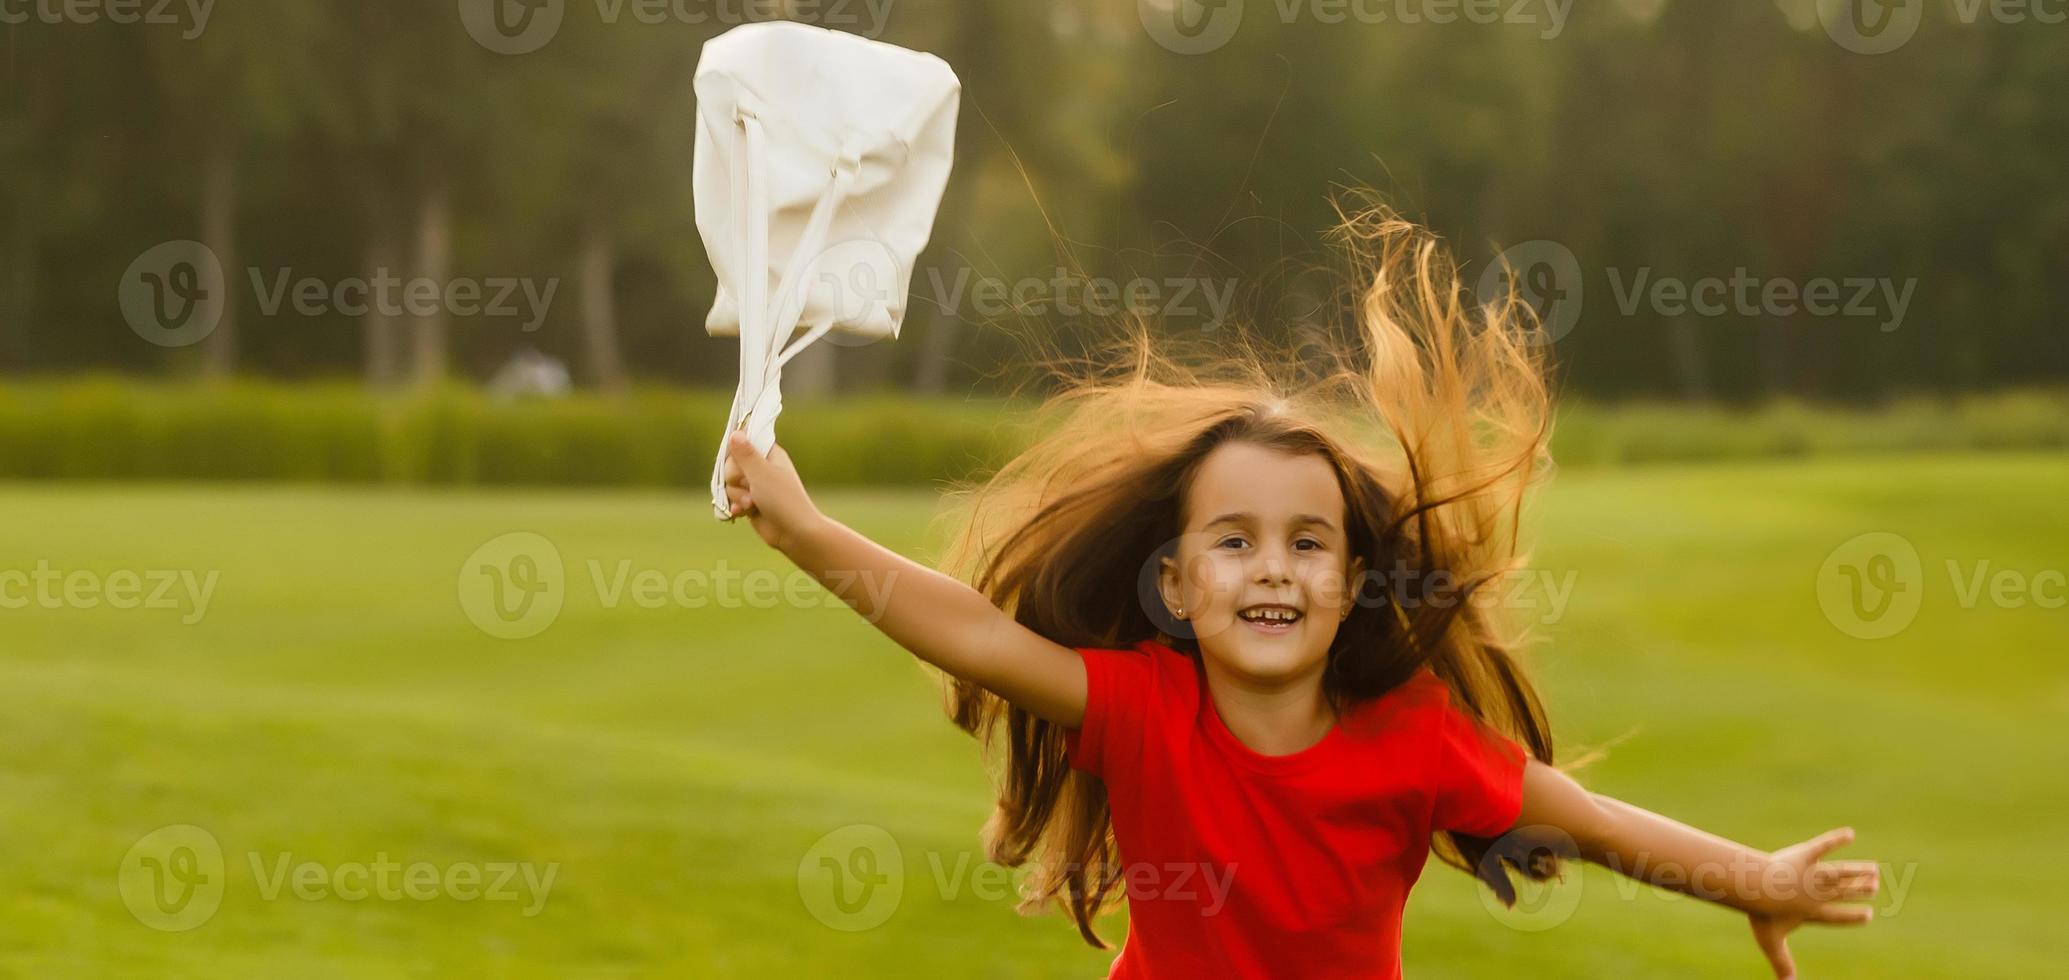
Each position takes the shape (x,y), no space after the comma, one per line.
(334,703)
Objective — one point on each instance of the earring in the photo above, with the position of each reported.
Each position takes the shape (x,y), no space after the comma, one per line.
(1180,613)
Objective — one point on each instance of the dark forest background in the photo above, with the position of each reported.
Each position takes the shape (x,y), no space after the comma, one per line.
(1664,137)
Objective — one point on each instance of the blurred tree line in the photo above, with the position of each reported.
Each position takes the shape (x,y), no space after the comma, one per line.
(1662,138)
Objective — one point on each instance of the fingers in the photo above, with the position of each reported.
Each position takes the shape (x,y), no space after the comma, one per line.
(1773,940)
(740,501)
(740,447)
(1846,879)
(745,465)
(1829,841)
(1843,915)
(1850,868)
(740,455)
(1850,888)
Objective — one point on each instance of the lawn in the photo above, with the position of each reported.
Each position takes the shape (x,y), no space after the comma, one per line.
(678,767)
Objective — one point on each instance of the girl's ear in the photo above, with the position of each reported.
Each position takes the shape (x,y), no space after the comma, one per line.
(1168,587)
(1354,585)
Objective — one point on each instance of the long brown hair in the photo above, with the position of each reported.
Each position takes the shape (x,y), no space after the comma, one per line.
(1433,409)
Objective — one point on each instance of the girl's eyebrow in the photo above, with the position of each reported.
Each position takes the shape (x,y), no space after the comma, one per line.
(1244,517)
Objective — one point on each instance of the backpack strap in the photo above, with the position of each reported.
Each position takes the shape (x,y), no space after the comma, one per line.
(767,320)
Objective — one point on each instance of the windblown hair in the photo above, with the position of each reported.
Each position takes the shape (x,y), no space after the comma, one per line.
(1434,410)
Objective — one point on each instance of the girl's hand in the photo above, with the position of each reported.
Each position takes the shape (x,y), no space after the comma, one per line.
(767,491)
(1811,890)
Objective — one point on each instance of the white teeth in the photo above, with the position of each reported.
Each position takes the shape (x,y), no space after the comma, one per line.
(1271,615)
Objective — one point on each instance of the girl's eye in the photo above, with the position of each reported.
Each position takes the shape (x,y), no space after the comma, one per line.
(1304,544)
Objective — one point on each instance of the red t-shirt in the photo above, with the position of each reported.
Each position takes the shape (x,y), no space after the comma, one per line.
(1240,864)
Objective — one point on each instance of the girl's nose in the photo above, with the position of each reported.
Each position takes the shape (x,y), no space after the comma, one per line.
(1272,569)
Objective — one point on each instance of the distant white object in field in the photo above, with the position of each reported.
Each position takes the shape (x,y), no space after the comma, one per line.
(819,163)
(530,373)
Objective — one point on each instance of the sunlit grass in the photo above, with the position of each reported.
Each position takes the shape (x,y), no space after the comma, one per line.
(335,703)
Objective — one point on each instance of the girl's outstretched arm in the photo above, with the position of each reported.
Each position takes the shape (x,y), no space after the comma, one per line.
(1778,891)
(942,621)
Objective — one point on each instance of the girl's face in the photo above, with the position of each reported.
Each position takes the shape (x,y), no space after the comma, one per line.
(1262,572)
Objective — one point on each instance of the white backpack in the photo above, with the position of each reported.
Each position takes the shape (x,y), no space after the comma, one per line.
(819,163)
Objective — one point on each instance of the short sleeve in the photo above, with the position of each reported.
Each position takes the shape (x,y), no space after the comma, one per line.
(1118,696)
(1479,775)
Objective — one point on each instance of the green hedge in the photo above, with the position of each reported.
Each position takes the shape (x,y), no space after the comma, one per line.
(106,428)
(1590,434)
(114,428)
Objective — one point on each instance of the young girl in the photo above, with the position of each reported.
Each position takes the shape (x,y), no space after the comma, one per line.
(1226,625)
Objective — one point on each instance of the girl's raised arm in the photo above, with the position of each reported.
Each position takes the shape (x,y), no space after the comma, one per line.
(942,621)
(1778,891)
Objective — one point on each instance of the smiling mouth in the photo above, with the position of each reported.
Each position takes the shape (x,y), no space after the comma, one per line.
(1270,618)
